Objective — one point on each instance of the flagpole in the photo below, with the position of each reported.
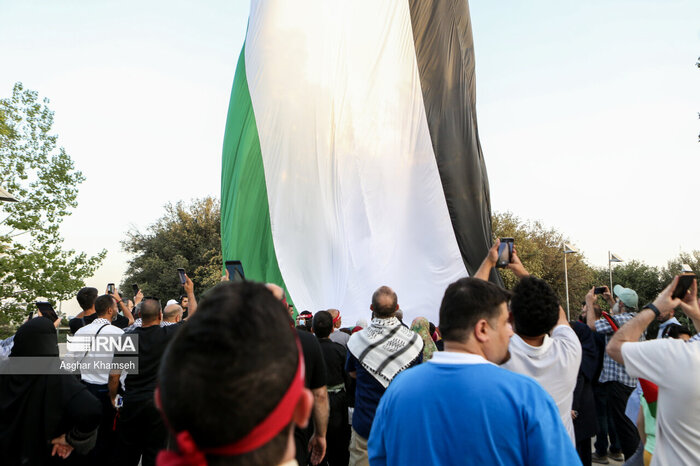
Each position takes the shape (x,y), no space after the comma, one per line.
(610,270)
(566,280)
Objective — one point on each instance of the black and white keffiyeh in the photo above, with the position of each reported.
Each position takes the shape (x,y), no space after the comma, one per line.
(385,348)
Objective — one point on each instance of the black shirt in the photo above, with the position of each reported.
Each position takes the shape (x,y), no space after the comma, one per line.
(152,342)
(334,355)
(313,360)
(75,323)
(315,374)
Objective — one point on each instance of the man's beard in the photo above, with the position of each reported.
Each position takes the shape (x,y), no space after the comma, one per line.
(506,358)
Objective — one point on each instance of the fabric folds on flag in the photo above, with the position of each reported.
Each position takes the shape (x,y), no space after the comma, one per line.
(351,156)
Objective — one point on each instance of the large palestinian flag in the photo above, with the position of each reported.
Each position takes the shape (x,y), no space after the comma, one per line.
(351,157)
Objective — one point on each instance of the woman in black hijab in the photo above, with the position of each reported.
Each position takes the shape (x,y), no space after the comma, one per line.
(44,415)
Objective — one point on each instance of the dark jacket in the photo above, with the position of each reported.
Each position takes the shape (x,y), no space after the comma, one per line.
(584,402)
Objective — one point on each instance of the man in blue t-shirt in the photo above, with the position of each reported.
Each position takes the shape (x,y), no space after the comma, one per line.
(460,407)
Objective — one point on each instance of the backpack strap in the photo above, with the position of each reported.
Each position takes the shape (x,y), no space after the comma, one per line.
(98,332)
(611,321)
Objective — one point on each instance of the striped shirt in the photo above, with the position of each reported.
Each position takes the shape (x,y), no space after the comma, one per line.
(612,370)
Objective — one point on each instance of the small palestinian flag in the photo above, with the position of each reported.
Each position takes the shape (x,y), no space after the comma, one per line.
(351,157)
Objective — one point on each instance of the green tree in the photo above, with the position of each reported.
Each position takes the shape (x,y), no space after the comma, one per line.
(186,236)
(642,278)
(33,263)
(541,251)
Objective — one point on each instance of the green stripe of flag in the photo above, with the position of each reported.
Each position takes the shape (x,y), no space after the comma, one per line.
(246,233)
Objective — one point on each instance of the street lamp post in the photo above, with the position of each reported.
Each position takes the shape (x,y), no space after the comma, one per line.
(567,250)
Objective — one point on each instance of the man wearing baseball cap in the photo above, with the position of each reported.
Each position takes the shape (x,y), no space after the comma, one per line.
(616,382)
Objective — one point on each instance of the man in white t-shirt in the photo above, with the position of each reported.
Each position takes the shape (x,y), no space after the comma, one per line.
(674,366)
(95,379)
(544,345)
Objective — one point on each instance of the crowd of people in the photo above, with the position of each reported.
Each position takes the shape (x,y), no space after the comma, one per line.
(240,378)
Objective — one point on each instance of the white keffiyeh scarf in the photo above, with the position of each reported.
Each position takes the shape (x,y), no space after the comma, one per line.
(385,348)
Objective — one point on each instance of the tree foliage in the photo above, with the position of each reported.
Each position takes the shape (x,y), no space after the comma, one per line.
(642,278)
(186,236)
(42,176)
(541,251)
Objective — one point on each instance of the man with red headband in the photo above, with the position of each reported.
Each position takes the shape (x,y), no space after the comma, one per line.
(245,362)
(338,336)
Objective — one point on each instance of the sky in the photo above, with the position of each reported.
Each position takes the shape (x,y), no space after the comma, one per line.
(587,112)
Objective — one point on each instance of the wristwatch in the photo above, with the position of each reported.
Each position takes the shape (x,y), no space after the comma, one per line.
(653,308)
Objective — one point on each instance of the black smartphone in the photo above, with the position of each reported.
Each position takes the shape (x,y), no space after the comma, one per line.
(110,288)
(181,273)
(505,253)
(46,310)
(599,290)
(684,282)
(135,287)
(235,271)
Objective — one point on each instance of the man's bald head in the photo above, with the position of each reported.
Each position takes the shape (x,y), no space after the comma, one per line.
(150,311)
(172,313)
(384,302)
(336,321)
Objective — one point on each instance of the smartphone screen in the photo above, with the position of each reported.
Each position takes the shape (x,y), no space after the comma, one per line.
(46,310)
(181,273)
(599,290)
(505,252)
(110,288)
(235,271)
(684,282)
(135,287)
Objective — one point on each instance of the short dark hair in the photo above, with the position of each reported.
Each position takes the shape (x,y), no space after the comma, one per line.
(465,302)
(379,306)
(675,331)
(322,324)
(535,307)
(86,297)
(103,304)
(150,310)
(240,351)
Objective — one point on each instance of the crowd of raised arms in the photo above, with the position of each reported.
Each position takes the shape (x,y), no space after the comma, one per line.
(503,378)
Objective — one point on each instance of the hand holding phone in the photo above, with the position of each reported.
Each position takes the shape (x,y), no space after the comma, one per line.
(684,282)
(505,253)
(235,271)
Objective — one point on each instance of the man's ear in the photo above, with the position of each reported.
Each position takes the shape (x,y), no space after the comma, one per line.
(302,411)
(480,331)
(371,307)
